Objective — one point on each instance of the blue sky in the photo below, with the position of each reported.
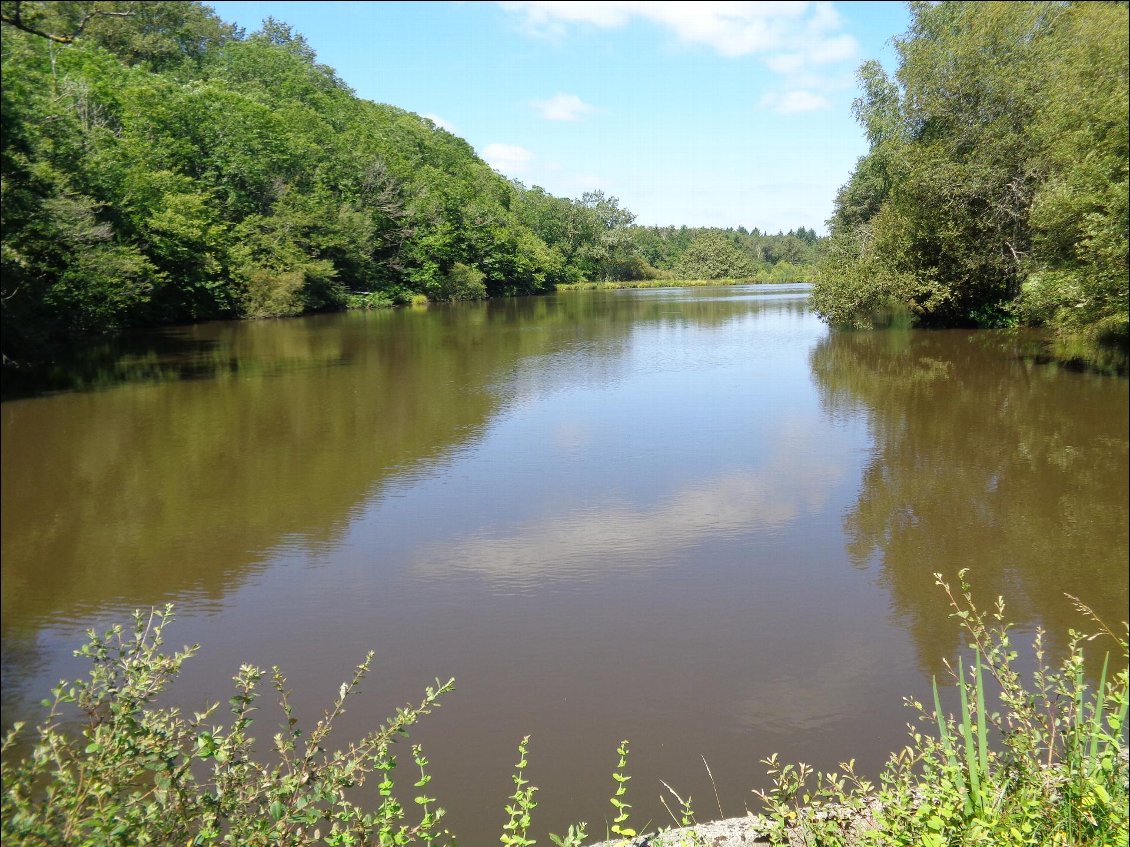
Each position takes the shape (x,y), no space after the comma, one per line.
(701,113)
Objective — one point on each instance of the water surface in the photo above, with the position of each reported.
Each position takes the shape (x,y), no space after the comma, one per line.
(691,518)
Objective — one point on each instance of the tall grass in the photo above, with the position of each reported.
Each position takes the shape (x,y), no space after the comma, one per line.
(1057,774)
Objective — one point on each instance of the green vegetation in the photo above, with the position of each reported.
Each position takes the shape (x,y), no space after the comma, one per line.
(654,283)
(143,773)
(132,776)
(995,189)
(710,253)
(1048,769)
(161,166)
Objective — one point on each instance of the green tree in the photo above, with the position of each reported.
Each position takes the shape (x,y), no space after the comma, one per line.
(713,256)
(995,185)
(161,166)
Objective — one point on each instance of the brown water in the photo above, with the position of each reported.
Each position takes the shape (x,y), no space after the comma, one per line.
(694,519)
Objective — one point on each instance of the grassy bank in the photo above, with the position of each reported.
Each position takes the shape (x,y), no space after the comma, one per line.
(380,300)
(667,283)
(1043,762)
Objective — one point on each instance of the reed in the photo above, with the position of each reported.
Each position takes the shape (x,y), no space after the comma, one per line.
(1048,768)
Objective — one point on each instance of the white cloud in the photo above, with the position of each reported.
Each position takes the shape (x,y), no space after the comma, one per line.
(509,159)
(563,107)
(440,122)
(786,63)
(840,48)
(791,102)
(811,30)
(819,52)
(545,17)
(824,18)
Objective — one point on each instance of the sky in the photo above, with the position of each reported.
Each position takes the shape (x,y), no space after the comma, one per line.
(702,113)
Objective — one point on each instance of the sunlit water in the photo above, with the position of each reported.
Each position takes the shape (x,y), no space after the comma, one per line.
(694,519)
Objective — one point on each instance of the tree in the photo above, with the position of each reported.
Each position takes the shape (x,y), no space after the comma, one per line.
(713,256)
(995,184)
(60,22)
(160,166)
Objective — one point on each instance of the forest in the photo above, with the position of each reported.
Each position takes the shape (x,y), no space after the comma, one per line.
(162,166)
(994,192)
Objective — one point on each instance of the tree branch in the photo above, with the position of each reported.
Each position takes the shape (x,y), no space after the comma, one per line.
(15,18)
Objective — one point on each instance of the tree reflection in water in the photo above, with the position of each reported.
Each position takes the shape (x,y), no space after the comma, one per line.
(982,459)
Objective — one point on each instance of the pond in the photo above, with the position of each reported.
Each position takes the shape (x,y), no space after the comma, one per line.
(695,519)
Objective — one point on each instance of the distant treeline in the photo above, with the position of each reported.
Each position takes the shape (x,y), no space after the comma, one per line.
(995,190)
(162,166)
(712,253)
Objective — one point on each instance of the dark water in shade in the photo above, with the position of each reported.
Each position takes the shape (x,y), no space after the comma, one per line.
(695,519)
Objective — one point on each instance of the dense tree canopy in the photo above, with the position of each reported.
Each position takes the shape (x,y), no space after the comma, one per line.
(160,165)
(995,188)
(712,253)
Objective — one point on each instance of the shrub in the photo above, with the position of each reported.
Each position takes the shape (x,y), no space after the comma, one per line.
(462,282)
(713,256)
(142,773)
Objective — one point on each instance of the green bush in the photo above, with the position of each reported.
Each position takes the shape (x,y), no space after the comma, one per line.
(143,773)
(368,300)
(713,256)
(462,282)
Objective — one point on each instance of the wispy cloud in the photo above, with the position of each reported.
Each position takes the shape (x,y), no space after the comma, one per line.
(820,52)
(563,107)
(509,159)
(549,18)
(811,30)
(791,102)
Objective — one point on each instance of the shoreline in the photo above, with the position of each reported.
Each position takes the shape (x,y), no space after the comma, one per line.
(671,283)
(728,832)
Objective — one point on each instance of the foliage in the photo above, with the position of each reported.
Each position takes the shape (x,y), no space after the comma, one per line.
(161,166)
(141,772)
(1050,768)
(460,283)
(712,256)
(586,236)
(522,804)
(821,813)
(684,822)
(1057,776)
(694,252)
(995,187)
(621,823)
